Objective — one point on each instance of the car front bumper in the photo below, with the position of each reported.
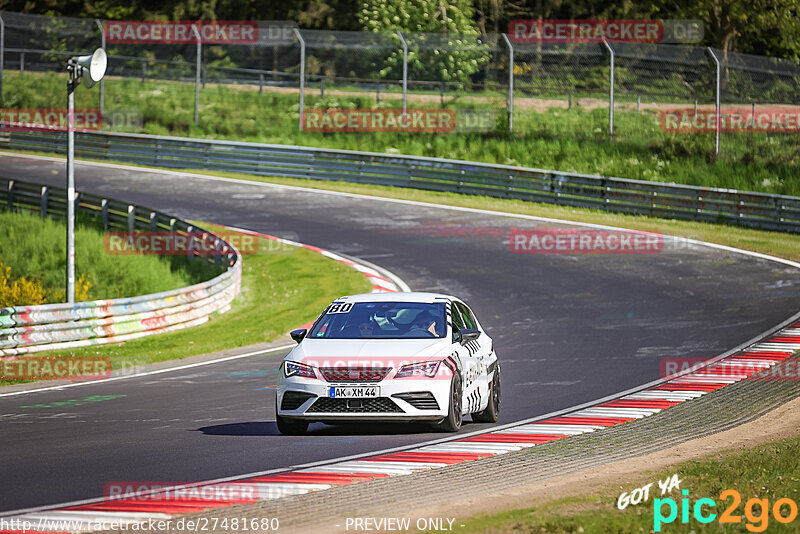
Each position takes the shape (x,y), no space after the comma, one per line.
(392,404)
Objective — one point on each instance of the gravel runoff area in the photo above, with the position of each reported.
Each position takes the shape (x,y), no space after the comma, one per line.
(403,496)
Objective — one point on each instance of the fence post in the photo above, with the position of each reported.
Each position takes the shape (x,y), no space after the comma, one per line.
(510,98)
(322,87)
(716,97)
(260,82)
(302,73)
(2,52)
(144,69)
(197,74)
(610,90)
(103,80)
(405,74)
(22,62)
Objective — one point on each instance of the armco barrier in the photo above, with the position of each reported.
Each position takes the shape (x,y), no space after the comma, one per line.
(760,210)
(27,329)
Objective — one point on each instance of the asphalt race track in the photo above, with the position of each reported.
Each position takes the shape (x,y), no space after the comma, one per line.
(567,329)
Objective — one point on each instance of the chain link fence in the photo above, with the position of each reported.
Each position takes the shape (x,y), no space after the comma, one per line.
(510,83)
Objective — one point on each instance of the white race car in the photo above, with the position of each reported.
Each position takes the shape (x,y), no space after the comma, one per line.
(390,357)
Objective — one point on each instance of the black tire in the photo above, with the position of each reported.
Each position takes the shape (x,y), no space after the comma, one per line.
(492,411)
(290,427)
(452,423)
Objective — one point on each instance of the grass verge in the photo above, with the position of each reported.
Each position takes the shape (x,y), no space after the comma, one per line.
(550,138)
(764,472)
(282,287)
(34,248)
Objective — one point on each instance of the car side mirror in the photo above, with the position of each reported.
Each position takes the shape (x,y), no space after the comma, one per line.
(298,334)
(469,334)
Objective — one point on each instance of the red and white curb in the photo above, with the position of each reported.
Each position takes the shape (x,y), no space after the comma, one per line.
(740,365)
(382,280)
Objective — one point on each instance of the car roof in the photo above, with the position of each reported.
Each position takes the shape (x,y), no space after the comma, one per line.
(403,296)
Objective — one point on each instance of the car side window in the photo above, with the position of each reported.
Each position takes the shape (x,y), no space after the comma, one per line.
(458,323)
(469,320)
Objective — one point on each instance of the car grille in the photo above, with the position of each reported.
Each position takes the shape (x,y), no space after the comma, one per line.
(376,405)
(292,400)
(354,374)
(422,400)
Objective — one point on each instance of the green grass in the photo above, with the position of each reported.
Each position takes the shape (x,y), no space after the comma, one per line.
(575,140)
(35,248)
(283,287)
(764,472)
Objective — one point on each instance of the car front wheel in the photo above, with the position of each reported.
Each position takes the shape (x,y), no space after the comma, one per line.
(290,427)
(452,423)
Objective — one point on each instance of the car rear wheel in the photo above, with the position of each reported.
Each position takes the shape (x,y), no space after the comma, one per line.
(452,423)
(492,411)
(290,427)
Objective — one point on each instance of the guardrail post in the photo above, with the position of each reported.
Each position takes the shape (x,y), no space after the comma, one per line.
(716,97)
(510,98)
(302,73)
(405,74)
(610,90)
(144,69)
(2,52)
(197,74)
(10,195)
(103,80)
(153,221)
(104,213)
(260,82)
(131,218)
(190,246)
(217,255)
(43,198)
(22,62)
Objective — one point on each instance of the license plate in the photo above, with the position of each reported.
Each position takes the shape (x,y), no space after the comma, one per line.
(354,392)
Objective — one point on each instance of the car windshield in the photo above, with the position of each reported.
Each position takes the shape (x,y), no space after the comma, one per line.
(379,320)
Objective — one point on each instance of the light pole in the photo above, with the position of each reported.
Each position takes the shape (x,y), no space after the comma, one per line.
(91,69)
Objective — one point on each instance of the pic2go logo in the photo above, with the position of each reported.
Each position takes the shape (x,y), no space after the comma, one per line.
(756,511)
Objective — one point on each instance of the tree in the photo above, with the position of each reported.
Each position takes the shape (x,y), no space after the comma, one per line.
(443,38)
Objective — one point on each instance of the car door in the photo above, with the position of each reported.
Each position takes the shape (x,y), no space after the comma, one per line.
(475,357)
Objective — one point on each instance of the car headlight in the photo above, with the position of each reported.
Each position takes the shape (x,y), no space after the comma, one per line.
(427,369)
(298,369)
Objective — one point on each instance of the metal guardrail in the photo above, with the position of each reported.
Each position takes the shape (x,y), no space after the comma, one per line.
(759,210)
(27,329)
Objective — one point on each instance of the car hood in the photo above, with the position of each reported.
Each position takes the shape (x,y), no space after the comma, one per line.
(368,352)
